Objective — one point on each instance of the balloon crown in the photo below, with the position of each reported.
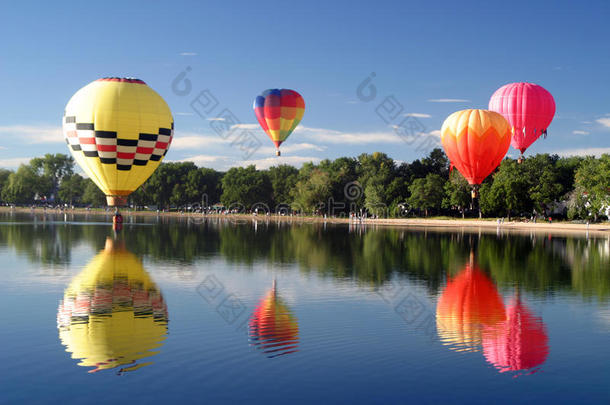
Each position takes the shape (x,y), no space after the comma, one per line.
(121,79)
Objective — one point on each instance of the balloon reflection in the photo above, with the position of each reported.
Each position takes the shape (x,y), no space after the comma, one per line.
(273,327)
(519,343)
(112,313)
(469,303)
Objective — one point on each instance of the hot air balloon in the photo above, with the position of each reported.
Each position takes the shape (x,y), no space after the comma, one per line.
(475,141)
(273,327)
(112,313)
(529,109)
(279,111)
(469,302)
(118,130)
(519,343)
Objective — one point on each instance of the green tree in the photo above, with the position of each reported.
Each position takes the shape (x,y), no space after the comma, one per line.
(457,193)
(427,193)
(4,175)
(71,188)
(22,185)
(313,192)
(92,194)
(544,186)
(283,179)
(592,189)
(53,167)
(245,187)
(509,191)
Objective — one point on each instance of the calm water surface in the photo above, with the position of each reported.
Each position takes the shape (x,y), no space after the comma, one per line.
(218,311)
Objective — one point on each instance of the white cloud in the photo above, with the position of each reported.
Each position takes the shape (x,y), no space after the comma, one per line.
(448,100)
(202,159)
(188,54)
(2,148)
(604,121)
(353,138)
(32,134)
(582,152)
(578,132)
(224,163)
(586,122)
(184,113)
(266,163)
(247,126)
(13,163)
(192,140)
(291,148)
(215,119)
(418,115)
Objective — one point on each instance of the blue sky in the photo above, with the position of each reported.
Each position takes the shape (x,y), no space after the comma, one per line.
(421,52)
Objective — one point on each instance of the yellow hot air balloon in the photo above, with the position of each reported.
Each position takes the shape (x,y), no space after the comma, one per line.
(112,313)
(118,130)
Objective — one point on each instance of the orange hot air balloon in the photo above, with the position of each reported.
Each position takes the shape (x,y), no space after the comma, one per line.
(469,303)
(273,327)
(518,343)
(475,141)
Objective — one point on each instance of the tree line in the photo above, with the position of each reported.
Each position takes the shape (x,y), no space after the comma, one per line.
(375,184)
(373,257)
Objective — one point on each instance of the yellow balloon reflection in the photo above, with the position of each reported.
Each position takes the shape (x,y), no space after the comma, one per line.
(468,305)
(273,327)
(112,313)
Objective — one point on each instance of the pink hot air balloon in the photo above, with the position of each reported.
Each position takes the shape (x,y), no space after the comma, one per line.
(520,343)
(528,108)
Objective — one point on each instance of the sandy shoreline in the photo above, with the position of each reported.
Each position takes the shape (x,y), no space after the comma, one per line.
(420,223)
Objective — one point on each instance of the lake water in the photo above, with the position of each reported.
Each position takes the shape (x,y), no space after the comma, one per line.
(221,311)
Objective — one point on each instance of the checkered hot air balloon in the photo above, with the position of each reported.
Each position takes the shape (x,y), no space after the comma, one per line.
(118,130)
(279,111)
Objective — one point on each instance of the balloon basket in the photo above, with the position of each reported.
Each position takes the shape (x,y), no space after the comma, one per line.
(278,153)
(116,201)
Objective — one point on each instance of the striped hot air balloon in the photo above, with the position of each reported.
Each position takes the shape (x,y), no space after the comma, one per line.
(118,130)
(279,111)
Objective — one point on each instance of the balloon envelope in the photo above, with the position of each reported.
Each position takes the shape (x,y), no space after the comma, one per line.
(112,313)
(278,112)
(273,327)
(118,130)
(518,343)
(529,109)
(468,303)
(475,142)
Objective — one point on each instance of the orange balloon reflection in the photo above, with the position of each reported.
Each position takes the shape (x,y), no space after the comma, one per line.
(519,343)
(273,327)
(469,303)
